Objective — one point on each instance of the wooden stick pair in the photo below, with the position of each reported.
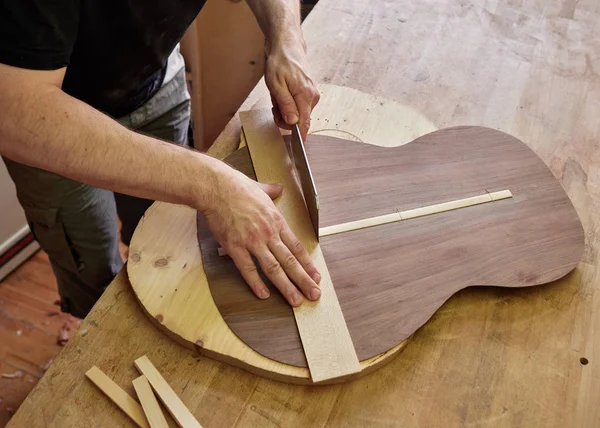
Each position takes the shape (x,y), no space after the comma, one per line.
(149,413)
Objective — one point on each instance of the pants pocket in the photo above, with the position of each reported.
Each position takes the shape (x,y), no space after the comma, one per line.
(52,237)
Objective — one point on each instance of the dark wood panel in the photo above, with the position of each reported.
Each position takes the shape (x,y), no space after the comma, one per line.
(390,279)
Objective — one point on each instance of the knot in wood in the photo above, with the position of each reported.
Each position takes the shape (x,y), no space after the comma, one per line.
(162,262)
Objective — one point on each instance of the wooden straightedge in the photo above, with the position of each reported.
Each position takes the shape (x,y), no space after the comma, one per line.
(325,338)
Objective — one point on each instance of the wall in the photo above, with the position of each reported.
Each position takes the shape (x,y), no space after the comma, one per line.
(224,48)
(13,226)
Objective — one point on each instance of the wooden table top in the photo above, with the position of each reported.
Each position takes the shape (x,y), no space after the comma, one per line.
(489,357)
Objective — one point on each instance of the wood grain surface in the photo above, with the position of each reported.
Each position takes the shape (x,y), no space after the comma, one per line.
(490,357)
(391,278)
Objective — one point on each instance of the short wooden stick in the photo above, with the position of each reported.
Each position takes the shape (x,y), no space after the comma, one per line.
(152,409)
(118,396)
(172,402)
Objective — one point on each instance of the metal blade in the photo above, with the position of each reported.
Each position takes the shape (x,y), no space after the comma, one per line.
(307,181)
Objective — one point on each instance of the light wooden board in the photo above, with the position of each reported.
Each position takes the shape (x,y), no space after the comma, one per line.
(149,403)
(116,394)
(325,337)
(489,357)
(173,290)
(172,402)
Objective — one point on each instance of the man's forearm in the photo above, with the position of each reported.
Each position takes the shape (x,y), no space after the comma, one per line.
(49,129)
(278,19)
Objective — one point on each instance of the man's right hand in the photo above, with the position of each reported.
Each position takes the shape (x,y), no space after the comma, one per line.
(246,223)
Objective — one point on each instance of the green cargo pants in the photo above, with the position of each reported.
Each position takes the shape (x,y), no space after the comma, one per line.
(76,224)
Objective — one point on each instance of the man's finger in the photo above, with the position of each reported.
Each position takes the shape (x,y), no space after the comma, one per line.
(294,270)
(273,270)
(287,105)
(316,98)
(298,250)
(273,190)
(278,119)
(304,104)
(246,266)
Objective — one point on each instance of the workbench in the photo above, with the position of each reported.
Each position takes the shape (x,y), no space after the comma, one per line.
(489,357)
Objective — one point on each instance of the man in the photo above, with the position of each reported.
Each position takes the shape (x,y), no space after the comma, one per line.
(65,67)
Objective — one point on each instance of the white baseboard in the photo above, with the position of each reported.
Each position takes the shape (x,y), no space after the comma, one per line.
(19,257)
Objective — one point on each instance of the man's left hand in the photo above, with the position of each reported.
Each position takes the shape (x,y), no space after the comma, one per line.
(293,93)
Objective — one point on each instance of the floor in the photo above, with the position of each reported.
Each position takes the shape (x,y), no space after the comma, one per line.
(31,327)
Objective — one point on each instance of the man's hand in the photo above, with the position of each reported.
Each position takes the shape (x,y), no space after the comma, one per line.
(293,93)
(246,223)
(287,74)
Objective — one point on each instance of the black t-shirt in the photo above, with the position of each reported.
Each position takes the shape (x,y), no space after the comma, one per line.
(115,50)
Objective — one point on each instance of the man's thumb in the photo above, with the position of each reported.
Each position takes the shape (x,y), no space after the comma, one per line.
(273,190)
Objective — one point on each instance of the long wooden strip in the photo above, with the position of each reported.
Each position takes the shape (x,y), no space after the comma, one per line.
(325,337)
(113,391)
(414,213)
(172,402)
(405,215)
(154,414)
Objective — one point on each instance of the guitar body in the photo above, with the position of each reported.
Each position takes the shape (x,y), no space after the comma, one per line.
(390,279)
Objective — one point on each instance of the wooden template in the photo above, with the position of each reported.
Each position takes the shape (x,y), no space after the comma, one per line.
(123,400)
(390,279)
(150,404)
(172,286)
(165,265)
(327,343)
(172,402)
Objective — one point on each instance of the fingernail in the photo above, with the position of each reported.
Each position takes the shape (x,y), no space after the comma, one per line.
(291,119)
(315,293)
(297,299)
(263,294)
(316,277)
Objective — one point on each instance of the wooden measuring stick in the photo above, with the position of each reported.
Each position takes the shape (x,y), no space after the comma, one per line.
(154,414)
(172,402)
(414,213)
(113,391)
(325,337)
(405,215)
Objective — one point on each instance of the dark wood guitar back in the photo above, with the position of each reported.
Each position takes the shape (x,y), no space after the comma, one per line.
(390,279)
